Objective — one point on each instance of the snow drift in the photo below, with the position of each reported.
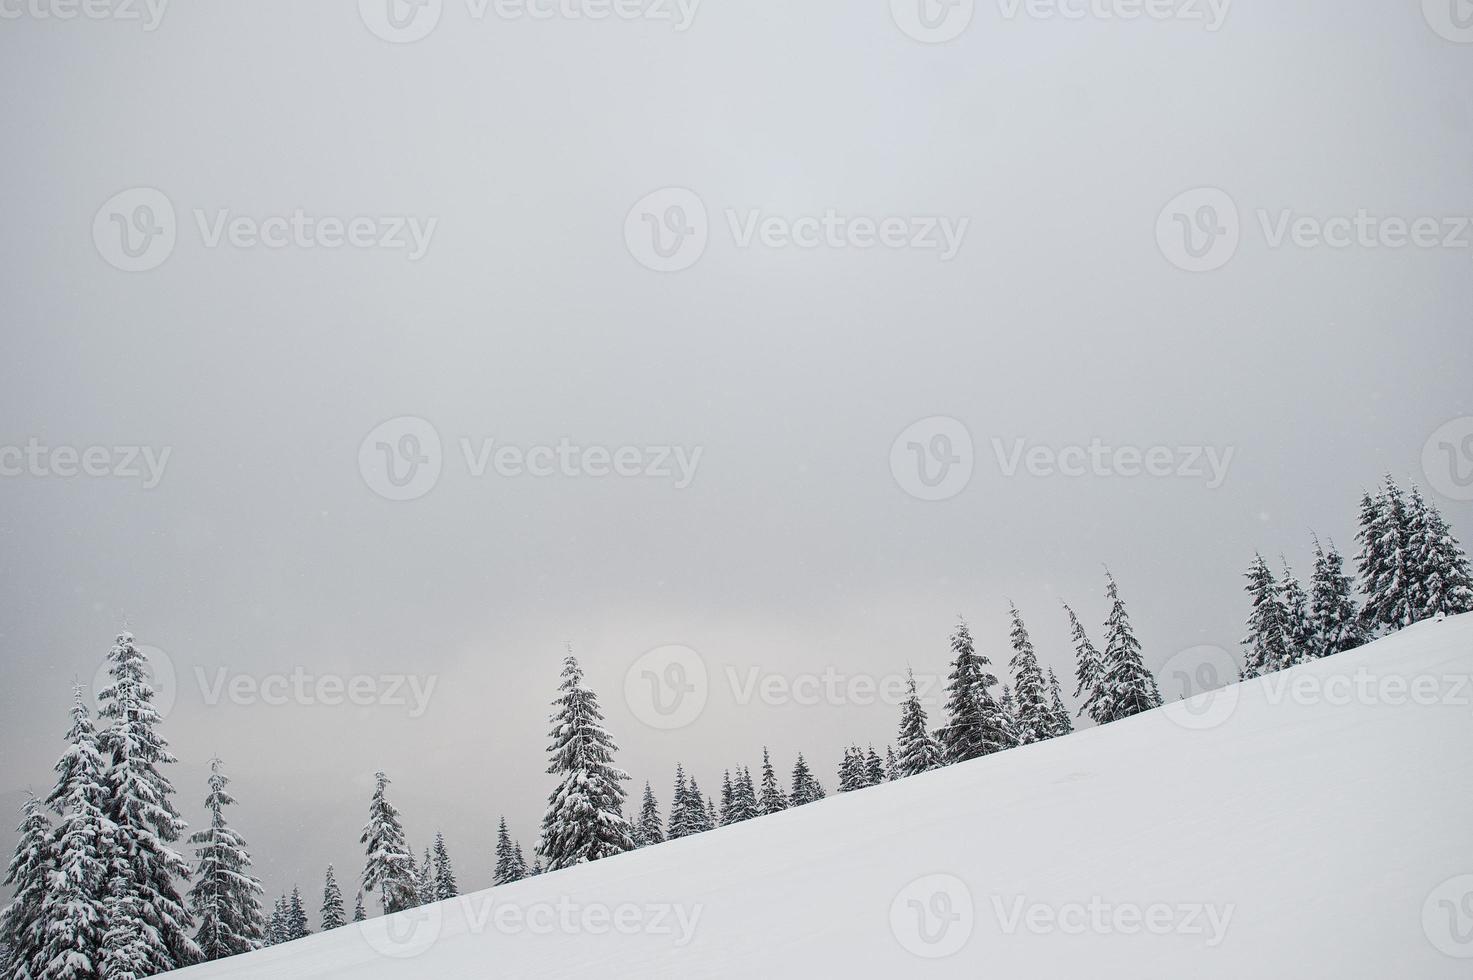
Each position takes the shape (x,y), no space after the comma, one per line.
(1314,823)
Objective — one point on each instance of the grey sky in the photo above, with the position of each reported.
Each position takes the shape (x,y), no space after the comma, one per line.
(527,320)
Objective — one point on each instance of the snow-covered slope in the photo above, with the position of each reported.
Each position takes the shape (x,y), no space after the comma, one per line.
(1312,824)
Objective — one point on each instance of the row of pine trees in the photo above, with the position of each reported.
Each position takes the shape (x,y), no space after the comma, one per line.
(96,895)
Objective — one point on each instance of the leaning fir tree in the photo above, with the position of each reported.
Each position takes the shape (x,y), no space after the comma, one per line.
(585,812)
(390,866)
(226,898)
(1089,672)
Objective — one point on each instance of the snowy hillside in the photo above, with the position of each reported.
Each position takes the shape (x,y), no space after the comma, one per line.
(1307,824)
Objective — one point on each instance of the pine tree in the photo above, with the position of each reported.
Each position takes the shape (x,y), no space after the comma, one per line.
(851,771)
(445,883)
(1267,639)
(1437,565)
(296,916)
(1385,537)
(728,800)
(1031,708)
(1089,672)
(699,814)
(712,819)
(1131,685)
(649,830)
(1059,721)
(226,898)
(72,911)
(919,752)
(585,813)
(975,724)
(1299,632)
(21,926)
(1332,608)
(424,881)
(772,799)
(127,950)
(359,913)
(332,903)
(744,797)
(892,767)
(522,868)
(806,789)
(145,819)
(390,865)
(874,767)
(681,824)
(508,861)
(276,925)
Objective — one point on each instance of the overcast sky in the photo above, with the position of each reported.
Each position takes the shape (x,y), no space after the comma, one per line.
(558,290)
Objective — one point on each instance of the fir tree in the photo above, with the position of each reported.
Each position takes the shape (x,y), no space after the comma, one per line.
(1089,672)
(919,752)
(681,823)
(359,913)
(585,813)
(72,913)
(424,881)
(1267,639)
(445,883)
(1332,607)
(276,925)
(296,917)
(226,898)
(649,829)
(127,952)
(772,799)
(1299,632)
(874,768)
(806,789)
(1385,537)
(1059,720)
(744,797)
(975,724)
(21,926)
(1131,685)
(332,903)
(1031,708)
(892,767)
(390,865)
(699,818)
(728,799)
(712,819)
(145,822)
(851,771)
(508,861)
(1436,563)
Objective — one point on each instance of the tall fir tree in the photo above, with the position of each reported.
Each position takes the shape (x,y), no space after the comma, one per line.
(975,724)
(699,811)
(773,799)
(744,797)
(141,807)
(276,924)
(681,823)
(390,865)
(585,813)
(1436,563)
(333,916)
(650,829)
(874,767)
(1089,672)
(1131,684)
(1266,644)
(296,916)
(127,952)
(508,862)
(360,914)
(1385,539)
(728,800)
(445,884)
(1059,721)
(1030,692)
(226,897)
(21,926)
(851,771)
(424,881)
(892,767)
(1332,606)
(919,751)
(806,788)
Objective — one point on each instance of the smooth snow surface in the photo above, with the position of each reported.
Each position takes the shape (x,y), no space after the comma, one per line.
(1300,837)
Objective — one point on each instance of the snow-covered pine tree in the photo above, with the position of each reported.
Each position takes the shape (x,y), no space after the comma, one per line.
(698,812)
(712,818)
(508,867)
(1436,563)
(424,881)
(145,820)
(1059,721)
(650,829)
(1267,640)
(226,898)
(1332,607)
(1299,632)
(744,797)
(975,723)
(333,915)
(296,916)
(806,789)
(851,771)
(1131,684)
(445,884)
(680,816)
(127,952)
(276,924)
(585,813)
(892,767)
(360,914)
(390,865)
(1089,672)
(919,752)
(772,799)
(874,767)
(21,926)
(72,912)
(728,799)
(1385,538)
(1030,692)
